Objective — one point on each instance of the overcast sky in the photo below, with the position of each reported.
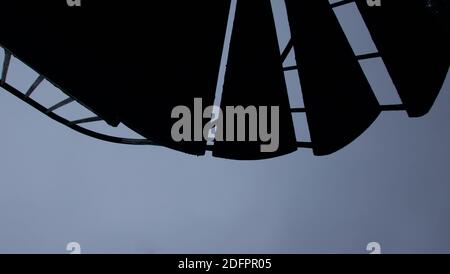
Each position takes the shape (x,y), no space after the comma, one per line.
(390,186)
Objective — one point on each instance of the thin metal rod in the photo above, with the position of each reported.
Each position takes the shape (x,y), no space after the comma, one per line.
(6,63)
(298,110)
(399,107)
(60,104)
(341,3)
(35,85)
(287,50)
(290,68)
(86,120)
(368,56)
(84,131)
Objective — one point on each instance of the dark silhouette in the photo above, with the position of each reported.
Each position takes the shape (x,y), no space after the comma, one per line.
(131,63)
(255,77)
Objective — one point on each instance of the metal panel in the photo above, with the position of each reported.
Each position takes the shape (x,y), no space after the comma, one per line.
(339,101)
(255,77)
(412,39)
(130,63)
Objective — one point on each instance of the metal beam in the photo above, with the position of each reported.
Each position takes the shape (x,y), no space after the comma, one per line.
(84,131)
(35,85)
(298,110)
(399,107)
(290,68)
(86,120)
(341,3)
(287,50)
(60,104)
(6,63)
(368,56)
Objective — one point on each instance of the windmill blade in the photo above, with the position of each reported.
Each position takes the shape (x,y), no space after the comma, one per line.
(255,77)
(127,63)
(412,39)
(339,101)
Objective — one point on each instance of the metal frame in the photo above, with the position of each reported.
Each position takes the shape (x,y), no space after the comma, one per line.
(74,125)
(290,47)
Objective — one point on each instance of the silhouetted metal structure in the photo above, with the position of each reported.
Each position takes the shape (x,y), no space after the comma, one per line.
(133,64)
